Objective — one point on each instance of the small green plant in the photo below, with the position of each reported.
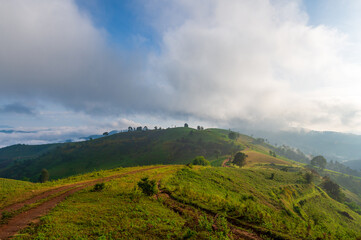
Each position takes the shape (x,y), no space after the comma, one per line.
(205,224)
(189,234)
(272,176)
(98,187)
(5,216)
(148,186)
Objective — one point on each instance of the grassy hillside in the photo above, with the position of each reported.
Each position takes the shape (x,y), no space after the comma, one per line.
(20,152)
(201,203)
(170,146)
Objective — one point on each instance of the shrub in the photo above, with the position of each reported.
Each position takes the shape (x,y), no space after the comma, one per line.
(308,177)
(200,160)
(148,186)
(272,176)
(98,187)
(240,159)
(332,189)
(44,176)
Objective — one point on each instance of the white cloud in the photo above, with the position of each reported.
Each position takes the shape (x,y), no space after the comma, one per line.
(227,62)
(257,61)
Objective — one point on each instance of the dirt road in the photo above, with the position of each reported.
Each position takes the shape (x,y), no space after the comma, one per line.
(23,219)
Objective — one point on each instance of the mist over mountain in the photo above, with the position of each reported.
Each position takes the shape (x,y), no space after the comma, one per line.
(334,146)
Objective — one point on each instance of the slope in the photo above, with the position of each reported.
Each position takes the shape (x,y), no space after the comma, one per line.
(170,146)
(201,203)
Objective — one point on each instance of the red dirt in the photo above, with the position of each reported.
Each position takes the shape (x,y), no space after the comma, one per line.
(224,164)
(23,219)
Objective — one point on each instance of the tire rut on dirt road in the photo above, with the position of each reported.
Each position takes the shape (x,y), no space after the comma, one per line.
(23,219)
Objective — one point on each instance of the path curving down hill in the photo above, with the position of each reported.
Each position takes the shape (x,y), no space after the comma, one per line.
(50,199)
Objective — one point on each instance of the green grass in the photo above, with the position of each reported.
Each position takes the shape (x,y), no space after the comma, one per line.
(283,206)
(286,206)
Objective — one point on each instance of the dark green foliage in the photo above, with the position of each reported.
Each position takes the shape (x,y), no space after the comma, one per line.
(319,161)
(291,153)
(147,186)
(98,187)
(200,160)
(233,135)
(186,125)
(332,189)
(16,154)
(44,176)
(308,177)
(272,176)
(240,159)
(272,153)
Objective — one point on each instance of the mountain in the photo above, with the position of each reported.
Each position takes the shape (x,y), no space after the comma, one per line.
(20,152)
(332,145)
(355,164)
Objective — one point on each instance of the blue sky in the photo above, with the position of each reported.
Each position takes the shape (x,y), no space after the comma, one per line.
(80,67)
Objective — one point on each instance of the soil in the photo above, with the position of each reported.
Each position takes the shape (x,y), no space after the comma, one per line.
(23,219)
(224,164)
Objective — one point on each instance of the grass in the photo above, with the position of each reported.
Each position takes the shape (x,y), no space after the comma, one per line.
(12,191)
(285,206)
(255,158)
(249,199)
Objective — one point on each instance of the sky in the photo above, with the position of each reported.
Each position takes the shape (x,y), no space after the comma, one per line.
(72,68)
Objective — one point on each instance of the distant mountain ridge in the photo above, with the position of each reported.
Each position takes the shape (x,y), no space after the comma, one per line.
(335,146)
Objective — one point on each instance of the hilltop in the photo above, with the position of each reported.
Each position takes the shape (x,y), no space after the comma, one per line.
(135,148)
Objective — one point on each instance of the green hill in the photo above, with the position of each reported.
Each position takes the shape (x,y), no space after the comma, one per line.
(259,202)
(20,152)
(170,146)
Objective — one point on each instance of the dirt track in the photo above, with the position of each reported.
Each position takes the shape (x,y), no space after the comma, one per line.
(224,163)
(23,219)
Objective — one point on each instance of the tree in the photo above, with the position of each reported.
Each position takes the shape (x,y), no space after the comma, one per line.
(308,177)
(130,129)
(155,128)
(200,160)
(198,127)
(319,161)
(186,125)
(273,154)
(332,189)
(233,135)
(240,159)
(217,152)
(44,176)
(145,128)
(105,133)
(139,128)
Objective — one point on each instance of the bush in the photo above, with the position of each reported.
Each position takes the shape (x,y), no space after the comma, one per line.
(148,186)
(200,160)
(98,187)
(332,189)
(308,177)
(44,176)
(240,159)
